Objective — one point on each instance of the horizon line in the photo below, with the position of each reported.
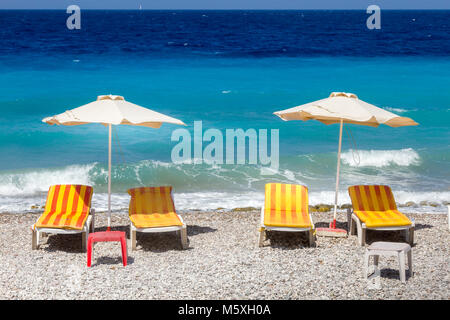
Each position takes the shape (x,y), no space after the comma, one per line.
(230,9)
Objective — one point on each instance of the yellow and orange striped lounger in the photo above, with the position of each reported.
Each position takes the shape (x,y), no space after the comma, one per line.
(67,211)
(152,210)
(374,208)
(286,208)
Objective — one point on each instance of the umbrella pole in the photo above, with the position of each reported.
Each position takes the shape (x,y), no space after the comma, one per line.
(337,175)
(109,179)
(332,231)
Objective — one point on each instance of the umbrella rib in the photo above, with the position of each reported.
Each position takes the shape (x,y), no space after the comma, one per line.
(320,107)
(70,114)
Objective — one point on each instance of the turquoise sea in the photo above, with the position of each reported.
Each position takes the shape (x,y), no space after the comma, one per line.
(225,88)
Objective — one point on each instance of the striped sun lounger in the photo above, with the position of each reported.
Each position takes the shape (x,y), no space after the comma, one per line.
(286,208)
(152,210)
(374,208)
(67,211)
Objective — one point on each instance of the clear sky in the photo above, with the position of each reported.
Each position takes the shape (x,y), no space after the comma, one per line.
(225,4)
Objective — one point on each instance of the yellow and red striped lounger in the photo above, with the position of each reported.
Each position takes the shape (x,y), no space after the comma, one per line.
(67,210)
(152,210)
(286,208)
(374,207)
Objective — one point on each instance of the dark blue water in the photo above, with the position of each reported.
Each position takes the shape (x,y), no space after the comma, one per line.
(226,33)
(230,69)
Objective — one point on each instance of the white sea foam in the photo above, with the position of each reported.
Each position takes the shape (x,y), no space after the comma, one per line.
(401,197)
(289,175)
(380,158)
(214,200)
(214,186)
(395,110)
(32,182)
(229,200)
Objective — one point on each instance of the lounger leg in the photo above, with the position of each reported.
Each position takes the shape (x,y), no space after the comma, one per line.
(361,234)
(93,221)
(132,238)
(312,241)
(83,241)
(184,240)
(92,226)
(38,239)
(33,239)
(349,221)
(411,236)
(353,227)
(262,236)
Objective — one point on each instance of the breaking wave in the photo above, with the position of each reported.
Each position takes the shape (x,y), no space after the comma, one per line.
(380,158)
(208,187)
(29,182)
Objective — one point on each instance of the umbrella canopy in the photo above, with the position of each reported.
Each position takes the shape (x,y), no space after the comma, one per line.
(342,107)
(347,107)
(111,110)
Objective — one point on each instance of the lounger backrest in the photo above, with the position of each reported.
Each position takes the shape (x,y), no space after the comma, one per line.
(67,206)
(286,198)
(372,198)
(147,200)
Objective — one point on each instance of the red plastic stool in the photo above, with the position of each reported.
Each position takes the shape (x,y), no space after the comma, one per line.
(107,236)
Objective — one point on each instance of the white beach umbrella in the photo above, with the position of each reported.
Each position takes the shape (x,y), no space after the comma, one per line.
(342,107)
(111,110)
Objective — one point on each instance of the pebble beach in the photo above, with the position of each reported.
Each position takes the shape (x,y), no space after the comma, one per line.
(223,262)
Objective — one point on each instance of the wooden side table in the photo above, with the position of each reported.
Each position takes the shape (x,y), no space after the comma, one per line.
(396,249)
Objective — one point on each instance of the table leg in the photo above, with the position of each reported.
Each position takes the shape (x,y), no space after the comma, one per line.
(123,242)
(366,264)
(401,260)
(89,252)
(410,266)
